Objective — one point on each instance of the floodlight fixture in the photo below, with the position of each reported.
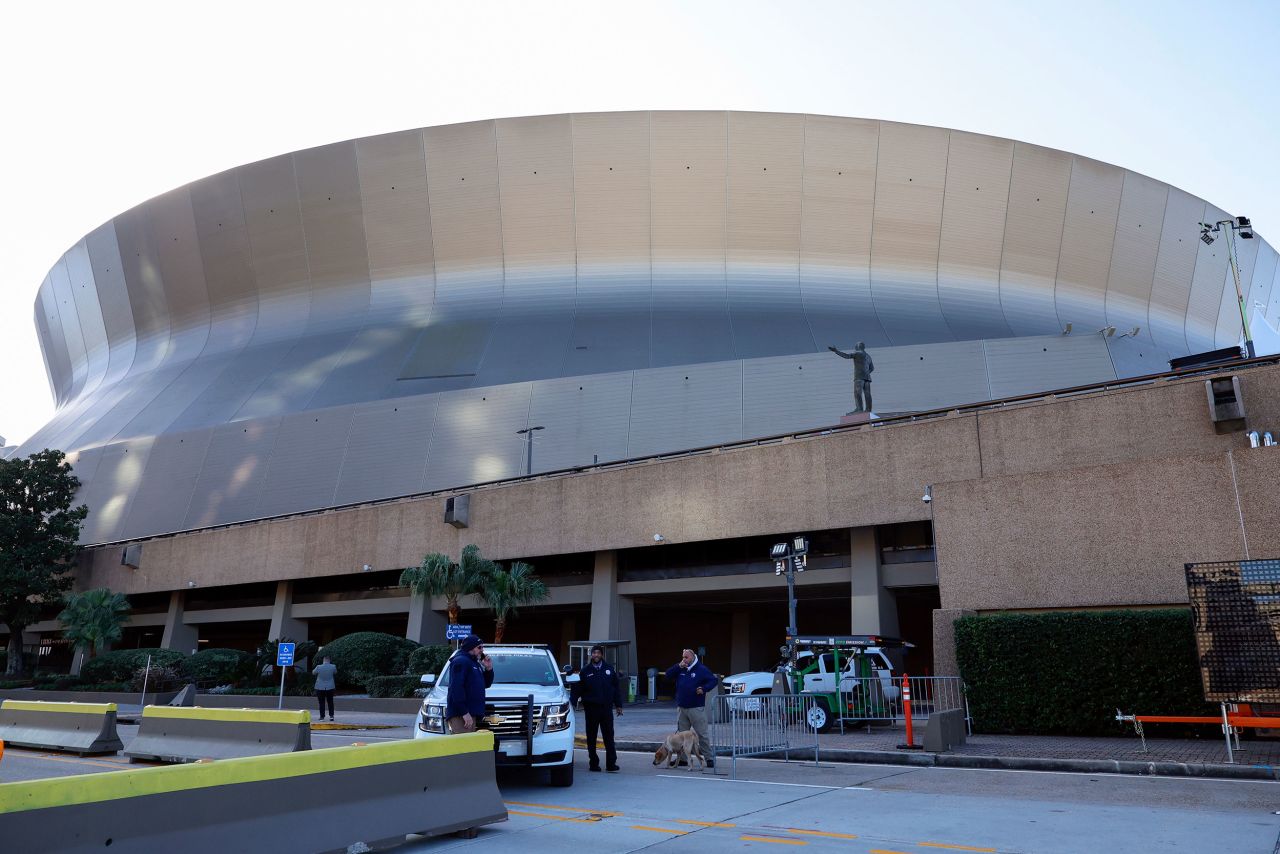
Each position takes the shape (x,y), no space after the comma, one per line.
(779,550)
(800,546)
(1107,331)
(1066,330)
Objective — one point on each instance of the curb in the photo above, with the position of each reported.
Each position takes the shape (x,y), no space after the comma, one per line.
(1202,770)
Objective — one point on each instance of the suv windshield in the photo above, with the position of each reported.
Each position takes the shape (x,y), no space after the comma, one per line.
(518,667)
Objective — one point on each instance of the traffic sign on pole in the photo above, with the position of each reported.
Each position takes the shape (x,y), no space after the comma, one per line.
(457,631)
(284,658)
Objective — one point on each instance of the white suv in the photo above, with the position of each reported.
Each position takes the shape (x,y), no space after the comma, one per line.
(526,708)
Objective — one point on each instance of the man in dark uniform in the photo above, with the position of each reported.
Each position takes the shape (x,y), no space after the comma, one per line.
(601,693)
(470,673)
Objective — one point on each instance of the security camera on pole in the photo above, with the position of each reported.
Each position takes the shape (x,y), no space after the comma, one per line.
(791,557)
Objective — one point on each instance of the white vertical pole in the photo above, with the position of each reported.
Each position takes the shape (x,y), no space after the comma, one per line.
(1226,731)
(145,675)
(280,703)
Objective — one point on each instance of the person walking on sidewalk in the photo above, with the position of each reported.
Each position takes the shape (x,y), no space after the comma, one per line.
(470,674)
(325,685)
(600,692)
(693,682)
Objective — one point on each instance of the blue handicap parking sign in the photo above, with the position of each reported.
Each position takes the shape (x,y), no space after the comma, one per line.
(456,631)
(284,655)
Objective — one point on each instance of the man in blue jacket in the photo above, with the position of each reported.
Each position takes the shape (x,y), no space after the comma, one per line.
(693,682)
(470,673)
(601,694)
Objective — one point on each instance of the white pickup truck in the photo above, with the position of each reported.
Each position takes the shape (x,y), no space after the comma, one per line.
(822,680)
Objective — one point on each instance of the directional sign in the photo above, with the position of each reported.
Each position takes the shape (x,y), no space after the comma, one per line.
(456,631)
(284,655)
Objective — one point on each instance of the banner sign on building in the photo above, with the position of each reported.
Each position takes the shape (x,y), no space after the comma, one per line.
(1236,609)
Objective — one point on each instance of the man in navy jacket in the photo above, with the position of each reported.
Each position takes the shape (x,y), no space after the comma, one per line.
(601,693)
(693,682)
(470,673)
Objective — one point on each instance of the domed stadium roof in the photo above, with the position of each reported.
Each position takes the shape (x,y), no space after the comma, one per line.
(377,317)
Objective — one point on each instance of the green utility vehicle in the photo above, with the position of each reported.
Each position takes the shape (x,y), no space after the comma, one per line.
(844,678)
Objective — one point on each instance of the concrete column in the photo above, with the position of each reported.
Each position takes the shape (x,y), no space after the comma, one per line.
(177,634)
(740,648)
(944,640)
(874,611)
(613,617)
(426,625)
(283,623)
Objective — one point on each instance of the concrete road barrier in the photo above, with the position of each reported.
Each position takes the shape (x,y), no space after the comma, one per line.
(944,731)
(84,728)
(318,800)
(186,734)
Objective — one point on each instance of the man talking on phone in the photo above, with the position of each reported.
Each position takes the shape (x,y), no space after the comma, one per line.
(470,673)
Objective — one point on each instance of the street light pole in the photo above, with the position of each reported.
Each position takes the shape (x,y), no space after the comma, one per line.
(790,558)
(528,457)
(1245,227)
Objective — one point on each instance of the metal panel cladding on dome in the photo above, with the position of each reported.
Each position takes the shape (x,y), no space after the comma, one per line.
(398,306)
(1236,606)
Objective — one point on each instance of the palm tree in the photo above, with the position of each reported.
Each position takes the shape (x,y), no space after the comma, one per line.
(440,576)
(94,619)
(505,590)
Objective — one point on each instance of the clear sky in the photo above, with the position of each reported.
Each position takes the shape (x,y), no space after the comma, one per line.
(108,104)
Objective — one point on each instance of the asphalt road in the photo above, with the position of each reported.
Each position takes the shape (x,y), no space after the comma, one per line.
(865,809)
(861,809)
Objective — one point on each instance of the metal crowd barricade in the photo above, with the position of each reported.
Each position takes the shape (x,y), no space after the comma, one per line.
(876,698)
(761,724)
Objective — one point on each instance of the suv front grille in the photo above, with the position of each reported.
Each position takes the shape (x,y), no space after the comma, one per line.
(506,720)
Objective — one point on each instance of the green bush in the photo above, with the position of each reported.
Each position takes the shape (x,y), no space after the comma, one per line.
(429,659)
(14,683)
(220,666)
(106,687)
(364,655)
(119,665)
(1067,673)
(156,678)
(392,686)
(304,685)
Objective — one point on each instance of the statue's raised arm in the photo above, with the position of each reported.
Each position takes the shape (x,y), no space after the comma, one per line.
(842,354)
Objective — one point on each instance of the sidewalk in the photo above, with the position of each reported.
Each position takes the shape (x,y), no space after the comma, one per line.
(644,726)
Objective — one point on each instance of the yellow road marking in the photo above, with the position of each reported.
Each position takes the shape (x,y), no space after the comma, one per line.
(884,851)
(954,847)
(702,823)
(774,840)
(659,829)
(74,761)
(555,817)
(826,833)
(565,809)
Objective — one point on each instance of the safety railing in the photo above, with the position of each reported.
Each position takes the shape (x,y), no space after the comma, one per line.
(762,724)
(873,698)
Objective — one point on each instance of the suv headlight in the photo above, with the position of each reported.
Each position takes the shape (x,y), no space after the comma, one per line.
(432,718)
(737,687)
(556,717)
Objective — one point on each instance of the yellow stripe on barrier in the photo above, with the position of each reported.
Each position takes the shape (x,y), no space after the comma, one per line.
(198,713)
(53,706)
(95,788)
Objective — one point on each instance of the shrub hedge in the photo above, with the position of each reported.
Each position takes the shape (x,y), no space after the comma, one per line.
(392,686)
(220,666)
(1067,673)
(429,659)
(119,665)
(364,655)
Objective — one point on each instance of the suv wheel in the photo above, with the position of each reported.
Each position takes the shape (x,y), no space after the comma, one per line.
(562,775)
(818,717)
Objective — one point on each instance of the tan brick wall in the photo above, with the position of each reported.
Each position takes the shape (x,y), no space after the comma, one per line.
(1092,500)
